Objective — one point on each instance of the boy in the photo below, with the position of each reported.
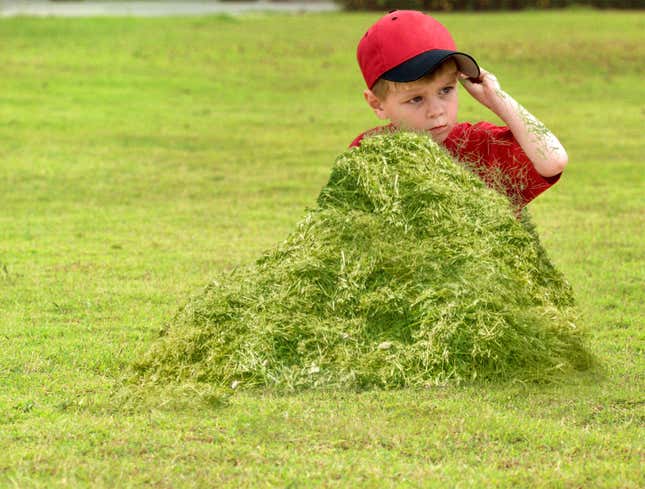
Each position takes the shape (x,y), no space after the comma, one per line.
(411,68)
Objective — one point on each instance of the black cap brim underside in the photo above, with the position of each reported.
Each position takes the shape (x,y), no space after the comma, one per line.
(424,63)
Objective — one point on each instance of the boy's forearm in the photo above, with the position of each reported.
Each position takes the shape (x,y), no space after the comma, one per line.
(540,145)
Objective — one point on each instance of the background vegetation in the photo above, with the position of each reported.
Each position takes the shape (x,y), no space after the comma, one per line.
(479,5)
(138,157)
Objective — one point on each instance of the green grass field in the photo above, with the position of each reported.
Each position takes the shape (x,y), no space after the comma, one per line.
(140,157)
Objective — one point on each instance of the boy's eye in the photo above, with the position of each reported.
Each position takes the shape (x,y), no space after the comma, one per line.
(447,90)
(416,100)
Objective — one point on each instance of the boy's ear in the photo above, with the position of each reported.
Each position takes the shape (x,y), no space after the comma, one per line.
(374,103)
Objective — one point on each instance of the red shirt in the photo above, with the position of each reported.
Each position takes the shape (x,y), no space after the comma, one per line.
(494,155)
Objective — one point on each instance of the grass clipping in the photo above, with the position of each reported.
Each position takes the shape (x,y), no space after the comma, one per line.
(409,272)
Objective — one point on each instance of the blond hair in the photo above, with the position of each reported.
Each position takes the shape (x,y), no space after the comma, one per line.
(382,88)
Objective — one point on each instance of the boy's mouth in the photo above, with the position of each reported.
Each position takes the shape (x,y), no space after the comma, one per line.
(438,128)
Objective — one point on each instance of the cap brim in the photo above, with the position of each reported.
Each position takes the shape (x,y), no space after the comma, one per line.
(424,63)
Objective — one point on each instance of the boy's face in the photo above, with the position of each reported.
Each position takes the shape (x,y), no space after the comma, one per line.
(428,105)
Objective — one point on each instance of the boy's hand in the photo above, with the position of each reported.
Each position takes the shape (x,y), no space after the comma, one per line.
(485,89)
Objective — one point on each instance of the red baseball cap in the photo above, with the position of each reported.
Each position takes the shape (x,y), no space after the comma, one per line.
(404,45)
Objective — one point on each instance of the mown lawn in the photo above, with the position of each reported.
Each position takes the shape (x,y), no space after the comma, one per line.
(138,157)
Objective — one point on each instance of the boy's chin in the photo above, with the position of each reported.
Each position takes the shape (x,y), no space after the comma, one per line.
(437,138)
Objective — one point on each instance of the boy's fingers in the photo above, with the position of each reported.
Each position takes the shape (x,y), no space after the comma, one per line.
(465,78)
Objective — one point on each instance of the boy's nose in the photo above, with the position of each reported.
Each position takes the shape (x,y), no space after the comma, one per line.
(434,110)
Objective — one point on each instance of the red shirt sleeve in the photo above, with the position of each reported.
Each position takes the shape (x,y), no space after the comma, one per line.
(499,160)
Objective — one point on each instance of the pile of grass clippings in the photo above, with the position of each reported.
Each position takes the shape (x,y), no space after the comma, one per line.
(409,272)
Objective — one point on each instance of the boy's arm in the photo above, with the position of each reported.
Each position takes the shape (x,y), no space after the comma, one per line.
(540,145)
